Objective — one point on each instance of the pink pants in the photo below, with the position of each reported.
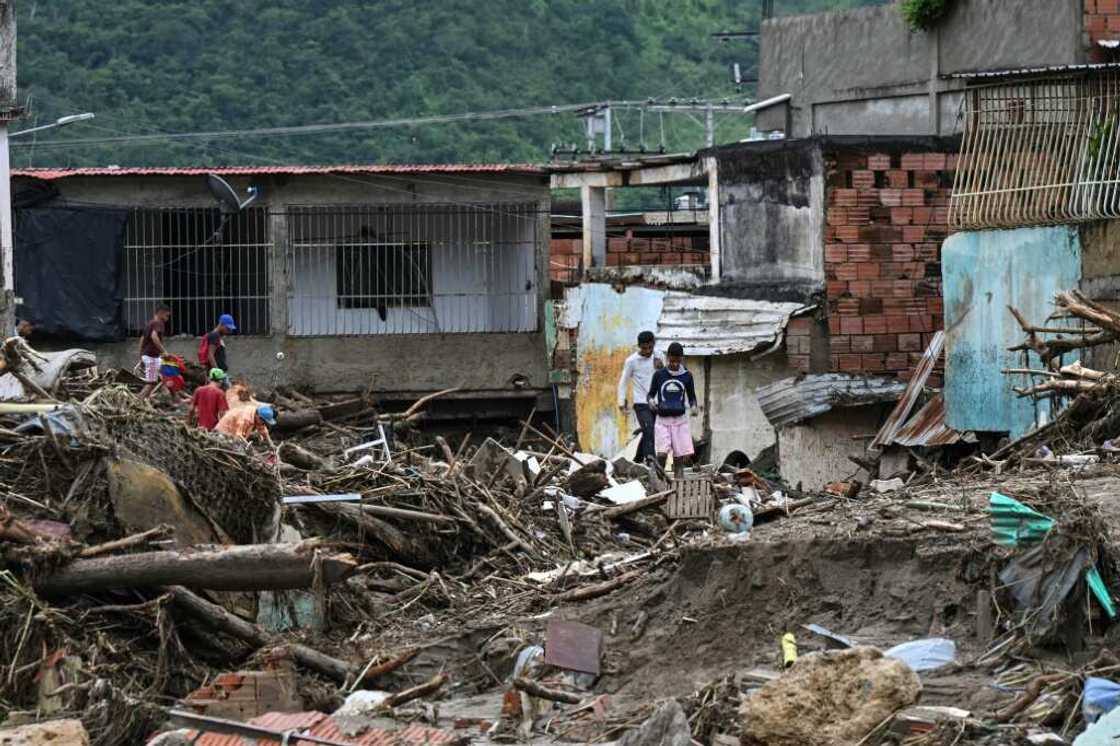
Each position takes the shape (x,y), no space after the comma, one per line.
(671,435)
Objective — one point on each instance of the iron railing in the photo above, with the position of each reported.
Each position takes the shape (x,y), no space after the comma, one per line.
(201,264)
(410,269)
(1043,151)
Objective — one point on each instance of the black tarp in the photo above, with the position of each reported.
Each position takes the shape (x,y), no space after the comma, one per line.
(68,271)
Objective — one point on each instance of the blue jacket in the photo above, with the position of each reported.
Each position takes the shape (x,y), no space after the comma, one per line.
(671,394)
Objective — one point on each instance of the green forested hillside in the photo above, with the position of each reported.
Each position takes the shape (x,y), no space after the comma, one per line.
(156,66)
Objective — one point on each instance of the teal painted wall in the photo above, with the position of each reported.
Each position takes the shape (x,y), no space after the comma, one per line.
(984,273)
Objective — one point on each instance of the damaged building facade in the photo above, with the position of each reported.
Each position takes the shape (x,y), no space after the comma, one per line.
(397,279)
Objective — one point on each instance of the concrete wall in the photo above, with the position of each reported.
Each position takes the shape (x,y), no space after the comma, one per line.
(984,273)
(1100,280)
(865,72)
(816,452)
(771,207)
(735,420)
(390,362)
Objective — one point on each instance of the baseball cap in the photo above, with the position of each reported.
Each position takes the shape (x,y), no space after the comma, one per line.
(227,321)
(217,374)
(267,413)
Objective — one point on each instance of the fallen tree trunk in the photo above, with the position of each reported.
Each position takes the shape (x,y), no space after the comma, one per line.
(253,567)
(400,544)
(534,689)
(292,454)
(287,422)
(431,686)
(216,617)
(652,501)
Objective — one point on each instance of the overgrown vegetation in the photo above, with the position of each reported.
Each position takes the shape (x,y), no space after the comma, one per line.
(195,65)
(923,15)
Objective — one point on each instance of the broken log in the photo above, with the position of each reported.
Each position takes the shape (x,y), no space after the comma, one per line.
(161,531)
(598,589)
(390,665)
(252,567)
(219,619)
(292,454)
(288,422)
(617,511)
(431,686)
(533,689)
(1063,385)
(408,515)
(402,546)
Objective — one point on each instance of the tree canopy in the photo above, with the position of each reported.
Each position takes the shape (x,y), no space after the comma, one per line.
(159,66)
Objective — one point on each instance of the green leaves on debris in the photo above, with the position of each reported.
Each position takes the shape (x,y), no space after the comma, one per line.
(923,15)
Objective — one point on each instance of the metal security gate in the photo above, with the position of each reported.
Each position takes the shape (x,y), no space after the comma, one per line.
(413,269)
(199,263)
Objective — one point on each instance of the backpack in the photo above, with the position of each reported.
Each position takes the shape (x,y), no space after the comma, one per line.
(204,350)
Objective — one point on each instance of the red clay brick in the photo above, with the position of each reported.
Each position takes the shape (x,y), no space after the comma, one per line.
(897,361)
(671,257)
(902,252)
(859,215)
(909,342)
(870,306)
(891,270)
(859,288)
(872,362)
(847,233)
(800,326)
(882,288)
(880,252)
(913,197)
(798,345)
(836,288)
(875,325)
(885,343)
(922,215)
(934,161)
(914,233)
(898,179)
(652,257)
(940,216)
(927,252)
(951,161)
(903,289)
(834,325)
(844,197)
(921,323)
(613,260)
(850,363)
(896,324)
(859,252)
(1113,23)
(617,244)
(631,258)
(902,215)
(863,179)
(891,197)
(837,216)
(868,198)
(867,271)
(913,161)
(862,343)
(847,271)
(878,162)
(835,253)
(798,362)
(840,343)
(927,179)
(847,307)
(935,306)
(851,325)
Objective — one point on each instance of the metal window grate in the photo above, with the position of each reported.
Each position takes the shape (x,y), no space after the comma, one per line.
(199,263)
(413,269)
(1044,151)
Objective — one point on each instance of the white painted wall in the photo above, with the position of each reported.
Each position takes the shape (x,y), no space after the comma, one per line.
(735,418)
(816,452)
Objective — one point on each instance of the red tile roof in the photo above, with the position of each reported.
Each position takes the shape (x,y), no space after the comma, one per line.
(374,169)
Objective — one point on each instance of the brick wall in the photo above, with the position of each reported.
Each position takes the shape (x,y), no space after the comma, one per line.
(886,217)
(628,250)
(1102,22)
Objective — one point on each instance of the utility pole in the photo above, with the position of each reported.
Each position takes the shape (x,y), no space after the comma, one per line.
(9,110)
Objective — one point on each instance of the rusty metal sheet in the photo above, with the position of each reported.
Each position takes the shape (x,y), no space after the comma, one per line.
(723,326)
(800,398)
(910,397)
(574,646)
(927,427)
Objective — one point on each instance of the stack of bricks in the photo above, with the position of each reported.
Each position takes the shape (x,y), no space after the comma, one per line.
(629,250)
(887,215)
(1102,23)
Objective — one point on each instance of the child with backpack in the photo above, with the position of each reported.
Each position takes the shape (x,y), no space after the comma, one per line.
(672,394)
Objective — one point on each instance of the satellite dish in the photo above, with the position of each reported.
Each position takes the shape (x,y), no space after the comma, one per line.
(227,196)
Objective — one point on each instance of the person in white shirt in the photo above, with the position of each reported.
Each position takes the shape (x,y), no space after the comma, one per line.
(638,372)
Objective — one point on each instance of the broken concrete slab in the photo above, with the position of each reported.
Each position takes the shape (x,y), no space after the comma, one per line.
(829,699)
(52,733)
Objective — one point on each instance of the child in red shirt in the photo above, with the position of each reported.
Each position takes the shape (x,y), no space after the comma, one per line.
(209,401)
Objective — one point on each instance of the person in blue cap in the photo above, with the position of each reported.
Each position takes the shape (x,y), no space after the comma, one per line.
(245,422)
(212,348)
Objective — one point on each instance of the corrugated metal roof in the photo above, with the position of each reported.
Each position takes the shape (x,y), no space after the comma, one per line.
(722,326)
(901,412)
(50,174)
(1014,72)
(323,726)
(927,427)
(800,398)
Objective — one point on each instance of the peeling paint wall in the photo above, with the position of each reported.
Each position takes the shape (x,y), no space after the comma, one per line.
(816,452)
(984,273)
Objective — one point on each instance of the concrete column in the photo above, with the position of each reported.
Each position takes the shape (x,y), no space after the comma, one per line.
(711,165)
(278,266)
(594,201)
